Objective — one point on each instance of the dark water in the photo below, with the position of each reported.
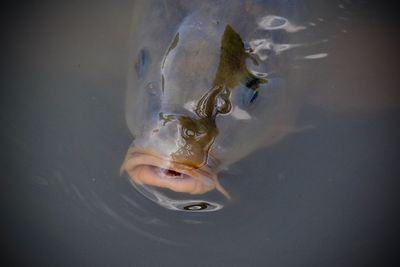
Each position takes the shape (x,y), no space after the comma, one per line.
(323,197)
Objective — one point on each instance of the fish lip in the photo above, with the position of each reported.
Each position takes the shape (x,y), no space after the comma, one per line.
(136,157)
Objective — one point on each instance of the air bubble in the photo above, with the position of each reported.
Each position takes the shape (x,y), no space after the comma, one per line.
(197,206)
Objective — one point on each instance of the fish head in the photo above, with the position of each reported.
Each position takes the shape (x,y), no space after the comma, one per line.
(172,166)
(175,156)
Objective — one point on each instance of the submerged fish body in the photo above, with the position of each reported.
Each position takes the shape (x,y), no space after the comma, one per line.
(199,99)
(209,83)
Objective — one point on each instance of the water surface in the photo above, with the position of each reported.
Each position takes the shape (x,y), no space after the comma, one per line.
(321,197)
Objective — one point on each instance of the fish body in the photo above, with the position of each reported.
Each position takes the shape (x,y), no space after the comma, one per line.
(212,81)
(199,99)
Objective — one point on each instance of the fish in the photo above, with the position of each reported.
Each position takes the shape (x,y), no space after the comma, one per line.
(208,85)
(196,106)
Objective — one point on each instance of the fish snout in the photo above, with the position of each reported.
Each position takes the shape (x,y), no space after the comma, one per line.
(150,170)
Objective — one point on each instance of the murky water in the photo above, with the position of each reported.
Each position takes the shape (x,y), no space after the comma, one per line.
(323,196)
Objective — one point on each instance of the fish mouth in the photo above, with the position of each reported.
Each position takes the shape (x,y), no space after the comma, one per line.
(146,167)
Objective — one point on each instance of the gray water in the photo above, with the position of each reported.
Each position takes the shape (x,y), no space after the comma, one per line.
(322,197)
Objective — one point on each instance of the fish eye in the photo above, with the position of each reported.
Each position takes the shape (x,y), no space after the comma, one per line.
(142,63)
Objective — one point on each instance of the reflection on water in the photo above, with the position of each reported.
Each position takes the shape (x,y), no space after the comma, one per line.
(333,184)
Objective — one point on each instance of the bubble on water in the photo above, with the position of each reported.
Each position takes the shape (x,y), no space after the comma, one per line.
(316,56)
(196,207)
(191,205)
(272,22)
(279,48)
